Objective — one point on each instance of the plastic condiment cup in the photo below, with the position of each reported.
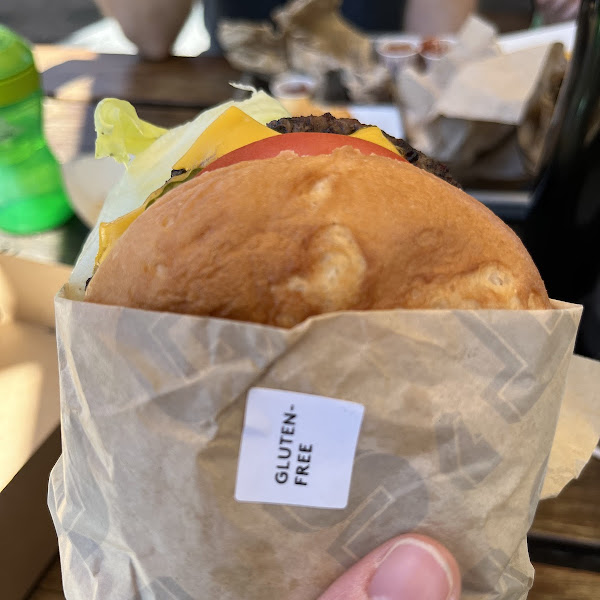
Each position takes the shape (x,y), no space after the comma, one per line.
(396,54)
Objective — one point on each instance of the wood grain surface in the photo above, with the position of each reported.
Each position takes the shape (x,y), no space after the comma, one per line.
(575,512)
(558,583)
(80,75)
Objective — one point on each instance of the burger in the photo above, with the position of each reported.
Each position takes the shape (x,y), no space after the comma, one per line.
(303,216)
(244,218)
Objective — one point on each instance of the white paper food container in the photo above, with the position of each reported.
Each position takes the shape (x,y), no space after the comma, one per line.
(461,410)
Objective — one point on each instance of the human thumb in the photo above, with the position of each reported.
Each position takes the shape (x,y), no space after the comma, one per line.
(409,567)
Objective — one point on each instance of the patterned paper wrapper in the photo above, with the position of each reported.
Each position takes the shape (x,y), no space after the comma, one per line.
(460,414)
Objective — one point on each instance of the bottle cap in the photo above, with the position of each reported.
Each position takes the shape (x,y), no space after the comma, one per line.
(18,76)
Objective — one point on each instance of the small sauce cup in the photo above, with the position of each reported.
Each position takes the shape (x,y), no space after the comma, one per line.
(396,54)
(433,49)
(292,86)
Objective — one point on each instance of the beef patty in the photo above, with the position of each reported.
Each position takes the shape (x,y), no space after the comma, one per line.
(327,123)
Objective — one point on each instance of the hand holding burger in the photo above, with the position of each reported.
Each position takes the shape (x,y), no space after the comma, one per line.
(408,567)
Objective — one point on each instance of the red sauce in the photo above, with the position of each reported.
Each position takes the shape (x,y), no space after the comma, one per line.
(399,48)
(434,47)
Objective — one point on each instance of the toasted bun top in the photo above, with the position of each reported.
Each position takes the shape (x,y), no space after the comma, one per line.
(278,240)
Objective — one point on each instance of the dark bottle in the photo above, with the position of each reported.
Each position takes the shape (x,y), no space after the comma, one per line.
(562,230)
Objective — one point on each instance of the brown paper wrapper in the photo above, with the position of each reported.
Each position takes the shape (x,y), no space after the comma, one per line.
(460,414)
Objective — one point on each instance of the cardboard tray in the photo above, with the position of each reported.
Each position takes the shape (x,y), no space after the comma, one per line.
(29,419)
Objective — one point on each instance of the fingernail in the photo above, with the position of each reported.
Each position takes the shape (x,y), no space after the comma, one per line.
(412,570)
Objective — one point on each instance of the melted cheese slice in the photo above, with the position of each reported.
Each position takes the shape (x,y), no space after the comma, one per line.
(230,131)
(375,135)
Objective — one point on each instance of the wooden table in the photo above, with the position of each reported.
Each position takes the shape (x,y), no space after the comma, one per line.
(565,536)
(564,545)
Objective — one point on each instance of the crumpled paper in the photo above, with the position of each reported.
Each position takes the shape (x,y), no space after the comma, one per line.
(312,37)
(461,409)
(580,412)
(483,112)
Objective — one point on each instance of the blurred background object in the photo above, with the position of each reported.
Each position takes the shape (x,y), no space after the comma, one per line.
(483,108)
(81,23)
(507,15)
(562,231)
(41,21)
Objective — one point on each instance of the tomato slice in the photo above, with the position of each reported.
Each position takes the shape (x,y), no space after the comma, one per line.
(303,144)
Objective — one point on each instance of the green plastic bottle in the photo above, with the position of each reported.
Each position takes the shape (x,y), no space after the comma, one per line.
(32,193)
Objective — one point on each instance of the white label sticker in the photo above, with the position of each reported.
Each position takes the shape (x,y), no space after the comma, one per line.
(297,449)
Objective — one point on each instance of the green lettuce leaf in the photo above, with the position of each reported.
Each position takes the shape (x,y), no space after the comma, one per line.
(120,132)
(152,162)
